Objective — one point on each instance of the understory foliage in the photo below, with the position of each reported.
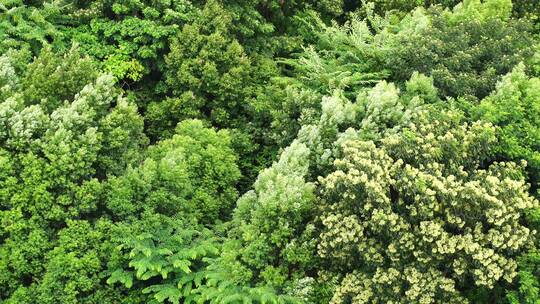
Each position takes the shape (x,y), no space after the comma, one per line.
(227,151)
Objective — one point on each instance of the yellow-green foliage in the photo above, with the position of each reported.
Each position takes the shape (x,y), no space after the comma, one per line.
(193,173)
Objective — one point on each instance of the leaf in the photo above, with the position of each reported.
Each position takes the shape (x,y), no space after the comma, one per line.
(268,298)
(187,289)
(235,298)
(183,265)
(169,292)
(149,274)
(121,276)
(164,251)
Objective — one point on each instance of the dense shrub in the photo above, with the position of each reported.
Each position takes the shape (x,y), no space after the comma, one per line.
(466,51)
(515,107)
(417,219)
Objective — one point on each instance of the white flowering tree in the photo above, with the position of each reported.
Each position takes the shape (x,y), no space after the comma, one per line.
(420,217)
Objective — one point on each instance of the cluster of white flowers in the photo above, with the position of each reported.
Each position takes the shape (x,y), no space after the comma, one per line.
(341,236)
(414,216)
(8,77)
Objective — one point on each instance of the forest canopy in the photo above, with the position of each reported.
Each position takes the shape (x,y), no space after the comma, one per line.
(276,151)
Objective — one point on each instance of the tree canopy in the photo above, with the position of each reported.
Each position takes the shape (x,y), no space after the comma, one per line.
(227,151)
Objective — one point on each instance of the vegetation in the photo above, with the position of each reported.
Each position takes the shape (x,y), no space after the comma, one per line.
(227,151)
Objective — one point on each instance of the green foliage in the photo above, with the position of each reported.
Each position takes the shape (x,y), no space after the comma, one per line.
(194,173)
(209,75)
(272,234)
(51,79)
(482,10)
(528,290)
(208,70)
(130,37)
(52,163)
(515,107)
(527,8)
(74,268)
(52,171)
(23,26)
(342,58)
(163,249)
(466,51)
(269,217)
(383,7)
(173,260)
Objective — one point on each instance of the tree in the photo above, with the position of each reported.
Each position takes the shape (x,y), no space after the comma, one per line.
(29,27)
(269,151)
(51,79)
(420,218)
(192,174)
(515,107)
(465,51)
(74,269)
(342,57)
(54,158)
(130,38)
(208,72)
(273,240)
(400,7)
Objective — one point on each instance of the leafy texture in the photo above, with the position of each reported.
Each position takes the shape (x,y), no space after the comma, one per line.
(269,151)
(465,51)
(193,173)
(515,107)
(417,220)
